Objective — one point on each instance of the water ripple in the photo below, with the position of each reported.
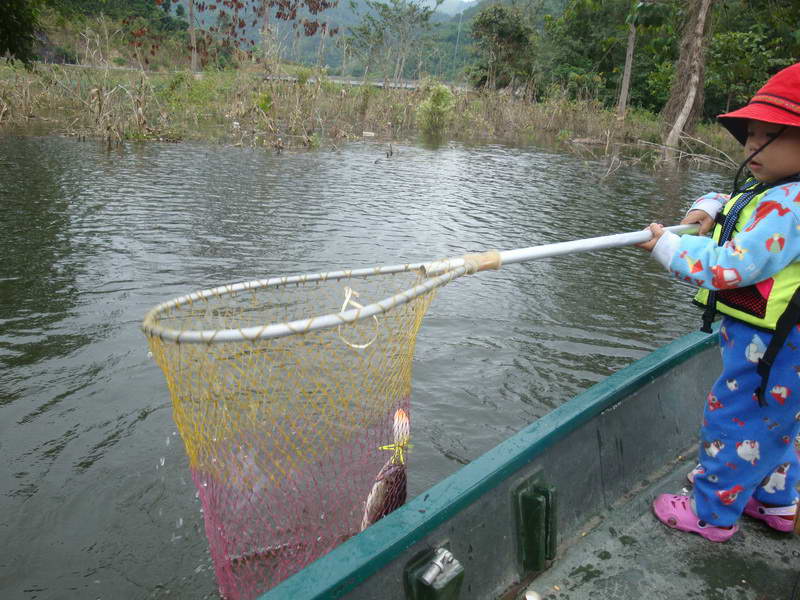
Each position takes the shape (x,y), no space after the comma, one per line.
(92,240)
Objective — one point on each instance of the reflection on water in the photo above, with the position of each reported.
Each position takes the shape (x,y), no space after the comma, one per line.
(95,493)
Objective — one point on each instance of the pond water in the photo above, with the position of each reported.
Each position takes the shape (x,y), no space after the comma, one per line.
(96,499)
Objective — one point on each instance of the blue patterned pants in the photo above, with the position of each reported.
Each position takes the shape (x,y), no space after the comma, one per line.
(746,449)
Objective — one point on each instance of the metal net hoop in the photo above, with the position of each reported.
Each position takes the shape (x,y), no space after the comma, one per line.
(285,392)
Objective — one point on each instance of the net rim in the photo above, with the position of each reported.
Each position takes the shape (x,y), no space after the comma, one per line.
(152,329)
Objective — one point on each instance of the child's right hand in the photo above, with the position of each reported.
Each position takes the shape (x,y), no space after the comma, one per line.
(701,218)
(657,229)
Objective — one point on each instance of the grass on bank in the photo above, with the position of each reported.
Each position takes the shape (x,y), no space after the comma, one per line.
(243,106)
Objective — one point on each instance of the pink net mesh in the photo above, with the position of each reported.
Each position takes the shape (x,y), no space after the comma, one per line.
(295,443)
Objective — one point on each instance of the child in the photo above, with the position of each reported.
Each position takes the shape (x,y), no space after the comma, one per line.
(749,271)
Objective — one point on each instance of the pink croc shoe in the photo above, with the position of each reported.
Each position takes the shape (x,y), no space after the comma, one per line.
(676,512)
(771,516)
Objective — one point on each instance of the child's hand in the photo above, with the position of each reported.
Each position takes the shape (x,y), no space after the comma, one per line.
(701,218)
(657,230)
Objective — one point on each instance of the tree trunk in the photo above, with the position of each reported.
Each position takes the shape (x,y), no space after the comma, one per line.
(401,66)
(344,59)
(192,36)
(321,51)
(265,33)
(265,8)
(626,75)
(403,43)
(686,97)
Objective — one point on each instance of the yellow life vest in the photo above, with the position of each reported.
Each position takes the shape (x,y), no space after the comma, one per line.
(747,303)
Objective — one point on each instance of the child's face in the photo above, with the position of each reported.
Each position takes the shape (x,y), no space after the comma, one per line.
(778,160)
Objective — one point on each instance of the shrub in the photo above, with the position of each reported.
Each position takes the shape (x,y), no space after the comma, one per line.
(331,87)
(65,55)
(178,81)
(312,141)
(365,93)
(264,102)
(303,75)
(436,111)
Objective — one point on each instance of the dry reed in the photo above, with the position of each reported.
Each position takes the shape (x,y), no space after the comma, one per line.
(246,107)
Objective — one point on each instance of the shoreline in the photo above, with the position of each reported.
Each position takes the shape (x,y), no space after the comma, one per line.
(250,107)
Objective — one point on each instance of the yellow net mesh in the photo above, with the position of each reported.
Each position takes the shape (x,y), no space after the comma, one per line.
(288,437)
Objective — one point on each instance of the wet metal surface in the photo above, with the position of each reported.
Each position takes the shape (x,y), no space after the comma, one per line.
(628,554)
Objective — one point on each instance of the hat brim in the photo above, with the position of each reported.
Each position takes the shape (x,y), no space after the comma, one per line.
(736,121)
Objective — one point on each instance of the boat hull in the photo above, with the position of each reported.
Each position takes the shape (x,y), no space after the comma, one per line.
(594,451)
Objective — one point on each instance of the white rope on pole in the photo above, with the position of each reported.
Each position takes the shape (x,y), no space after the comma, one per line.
(348,300)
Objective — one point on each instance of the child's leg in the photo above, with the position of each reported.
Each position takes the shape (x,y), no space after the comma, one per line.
(778,488)
(773,500)
(742,443)
(780,425)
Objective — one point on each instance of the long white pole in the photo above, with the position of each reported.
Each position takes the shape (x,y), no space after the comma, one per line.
(507,257)
(604,242)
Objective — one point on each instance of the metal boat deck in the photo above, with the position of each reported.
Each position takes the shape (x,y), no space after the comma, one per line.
(626,553)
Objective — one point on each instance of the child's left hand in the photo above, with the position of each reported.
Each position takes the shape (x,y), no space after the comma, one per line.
(657,230)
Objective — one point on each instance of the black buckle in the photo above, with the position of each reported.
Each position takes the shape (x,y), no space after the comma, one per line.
(759,394)
(706,326)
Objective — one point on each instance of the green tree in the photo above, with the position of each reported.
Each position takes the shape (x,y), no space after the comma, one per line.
(752,40)
(640,16)
(365,41)
(19,21)
(586,42)
(685,104)
(390,33)
(155,12)
(586,48)
(737,61)
(505,45)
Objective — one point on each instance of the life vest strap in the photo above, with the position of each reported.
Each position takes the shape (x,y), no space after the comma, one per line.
(727,222)
(709,313)
(789,318)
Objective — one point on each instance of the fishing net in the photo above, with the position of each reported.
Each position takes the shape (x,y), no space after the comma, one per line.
(292,397)
(296,426)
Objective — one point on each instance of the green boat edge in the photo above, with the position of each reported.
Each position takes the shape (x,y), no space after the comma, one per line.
(347,566)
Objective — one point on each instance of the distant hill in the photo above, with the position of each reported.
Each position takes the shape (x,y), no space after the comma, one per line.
(452,20)
(453,7)
(342,14)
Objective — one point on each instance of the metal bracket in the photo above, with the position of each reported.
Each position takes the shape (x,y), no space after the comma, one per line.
(434,575)
(535,512)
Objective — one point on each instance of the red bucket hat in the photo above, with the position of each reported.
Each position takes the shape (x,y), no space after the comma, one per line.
(777,102)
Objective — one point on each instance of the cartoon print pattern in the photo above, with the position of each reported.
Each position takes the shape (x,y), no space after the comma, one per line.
(769,241)
(746,449)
